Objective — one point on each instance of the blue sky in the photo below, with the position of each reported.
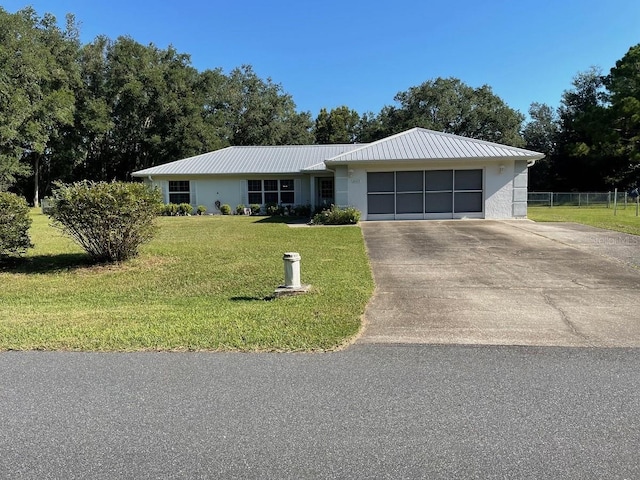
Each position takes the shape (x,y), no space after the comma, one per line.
(361,53)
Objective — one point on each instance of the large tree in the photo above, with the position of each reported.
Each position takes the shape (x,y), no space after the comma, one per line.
(261,113)
(340,125)
(584,140)
(623,84)
(139,106)
(449,105)
(37,74)
(541,135)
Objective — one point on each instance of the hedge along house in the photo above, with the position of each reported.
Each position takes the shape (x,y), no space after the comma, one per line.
(416,174)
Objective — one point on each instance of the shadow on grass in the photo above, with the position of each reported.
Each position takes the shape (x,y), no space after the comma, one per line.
(268,298)
(285,220)
(39,264)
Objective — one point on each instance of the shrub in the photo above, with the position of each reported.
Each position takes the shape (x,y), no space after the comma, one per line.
(337,216)
(255,209)
(240,210)
(14,225)
(274,209)
(109,220)
(185,209)
(169,210)
(301,211)
(201,210)
(225,209)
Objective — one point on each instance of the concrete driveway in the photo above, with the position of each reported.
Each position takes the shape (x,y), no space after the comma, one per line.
(502,283)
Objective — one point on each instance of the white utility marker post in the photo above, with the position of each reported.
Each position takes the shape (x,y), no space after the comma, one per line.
(292,283)
(291,270)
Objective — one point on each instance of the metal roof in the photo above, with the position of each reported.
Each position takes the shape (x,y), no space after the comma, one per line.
(243,160)
(423,144)
(415,144)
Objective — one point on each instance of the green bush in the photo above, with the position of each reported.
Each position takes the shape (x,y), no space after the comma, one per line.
(225,209)
(255,209)
(201,210)
(169,210)
(301,211)
(337,216)
(240,210)
(14,225)
(185,209)
(109,220)
(274,209)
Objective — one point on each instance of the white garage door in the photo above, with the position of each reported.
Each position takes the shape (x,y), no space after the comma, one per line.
(425,194)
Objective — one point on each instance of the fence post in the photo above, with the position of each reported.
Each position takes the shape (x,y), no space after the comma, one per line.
(551,199)
(609,199)
(579,199)
(637,204)
(615,202)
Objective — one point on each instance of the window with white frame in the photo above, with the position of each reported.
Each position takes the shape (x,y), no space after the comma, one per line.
(179,191)
(271,191)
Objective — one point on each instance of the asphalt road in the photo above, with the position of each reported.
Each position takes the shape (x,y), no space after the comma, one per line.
(371,411)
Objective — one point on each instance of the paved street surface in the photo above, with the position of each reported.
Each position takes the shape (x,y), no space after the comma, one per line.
(371,411)
(502,283)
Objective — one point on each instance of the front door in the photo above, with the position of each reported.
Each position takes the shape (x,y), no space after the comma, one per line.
(325,192)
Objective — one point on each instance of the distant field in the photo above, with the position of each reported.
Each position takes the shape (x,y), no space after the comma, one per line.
(624,221)
(202,284)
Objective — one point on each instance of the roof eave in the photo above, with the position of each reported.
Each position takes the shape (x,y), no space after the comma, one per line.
(444,159)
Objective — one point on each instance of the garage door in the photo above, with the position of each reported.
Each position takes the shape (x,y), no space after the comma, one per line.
(425,194)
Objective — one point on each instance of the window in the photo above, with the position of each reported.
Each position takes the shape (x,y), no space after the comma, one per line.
(271,191)
(286,191)
(255,192)
(179,191)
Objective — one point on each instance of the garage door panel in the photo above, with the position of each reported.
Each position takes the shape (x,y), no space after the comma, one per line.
(409,181)
(383,203)
(468,202)
(441,202)
(380,182)
(409,203)
(468,180)
(438,180)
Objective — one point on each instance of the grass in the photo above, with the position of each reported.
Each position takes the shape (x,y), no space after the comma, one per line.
(624,221)
(202,284)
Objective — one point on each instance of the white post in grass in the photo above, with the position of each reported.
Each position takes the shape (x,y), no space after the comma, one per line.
(615,202)
(291,270)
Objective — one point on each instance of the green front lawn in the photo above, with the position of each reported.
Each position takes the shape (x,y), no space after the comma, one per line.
(202,284)
(625,219)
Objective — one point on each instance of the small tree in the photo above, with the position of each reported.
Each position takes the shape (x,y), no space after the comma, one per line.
(109,220)
(14,225)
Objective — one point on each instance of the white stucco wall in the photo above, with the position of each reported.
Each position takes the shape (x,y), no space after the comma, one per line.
(498,193)
(229,189)
(520,189)
(341,185)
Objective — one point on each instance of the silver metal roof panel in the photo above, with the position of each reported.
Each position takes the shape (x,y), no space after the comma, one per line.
(423,144)
(254,160)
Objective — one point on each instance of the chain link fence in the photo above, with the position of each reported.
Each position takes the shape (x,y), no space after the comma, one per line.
(581,199)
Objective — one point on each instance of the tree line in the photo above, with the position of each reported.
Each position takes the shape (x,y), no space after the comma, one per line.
(99,111)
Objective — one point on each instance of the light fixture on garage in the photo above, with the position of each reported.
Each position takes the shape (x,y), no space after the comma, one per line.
(501,168)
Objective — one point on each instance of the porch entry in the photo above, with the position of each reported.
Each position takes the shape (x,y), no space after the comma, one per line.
(325,195)
(425,194)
